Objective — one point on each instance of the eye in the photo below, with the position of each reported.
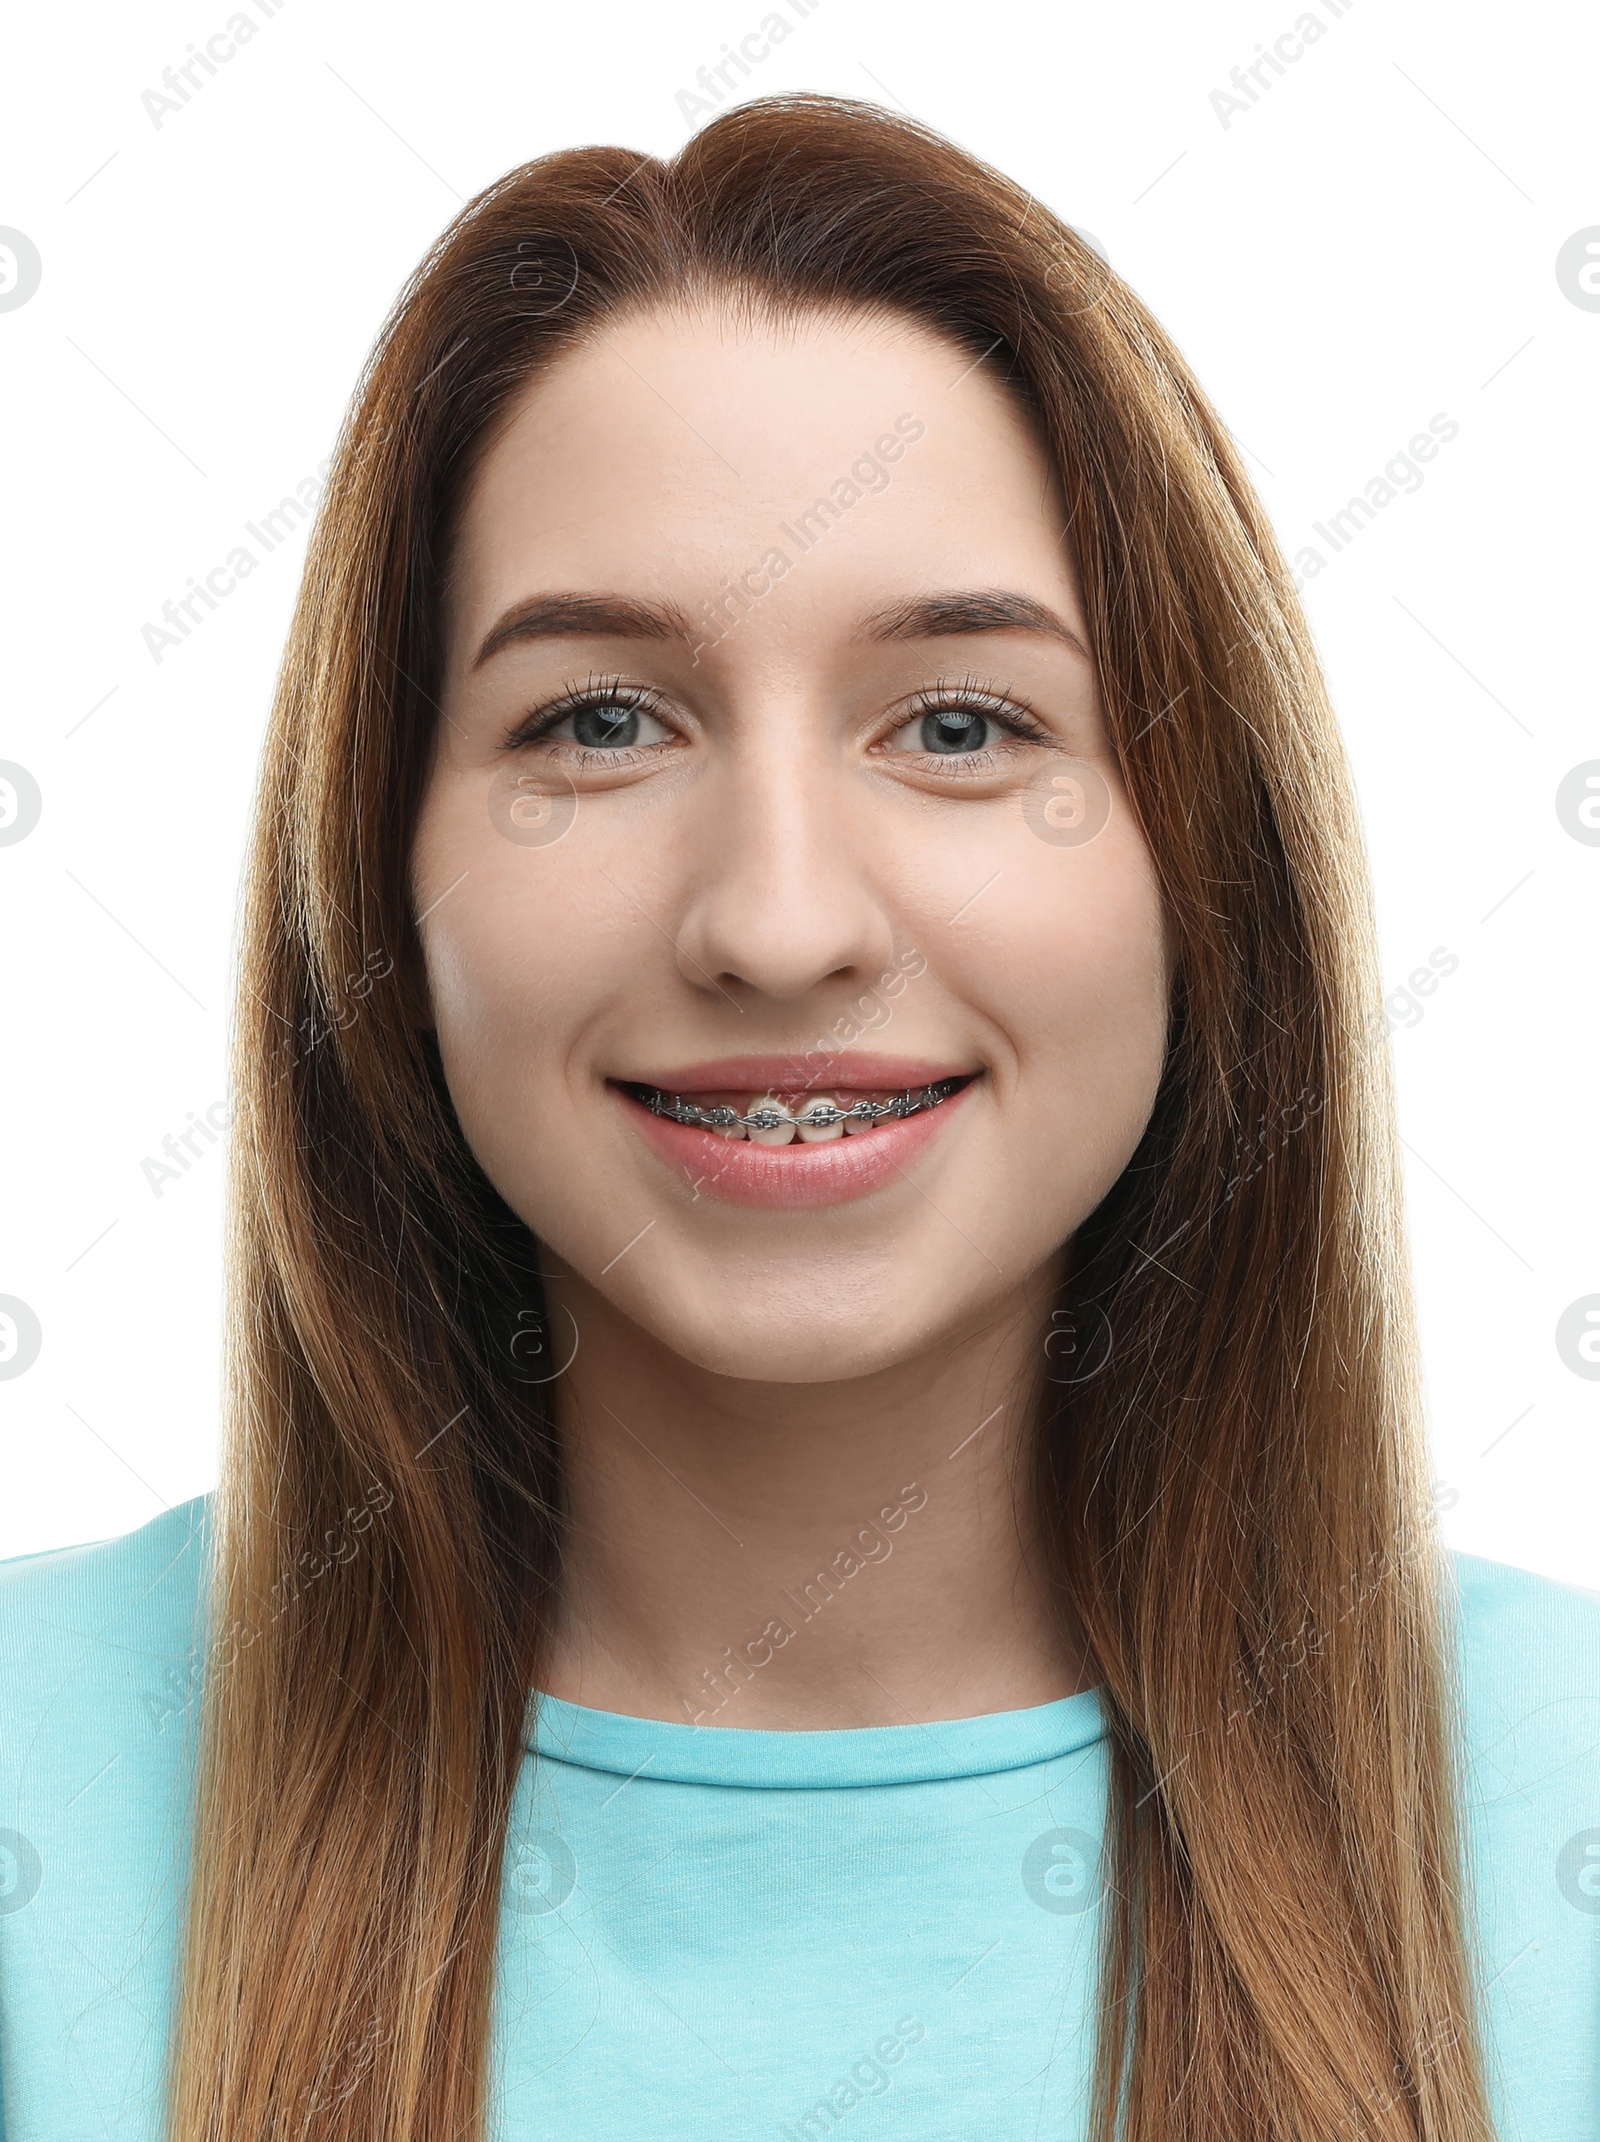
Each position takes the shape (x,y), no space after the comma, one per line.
(972,725)
(602,721)
(952,732)
(608,725)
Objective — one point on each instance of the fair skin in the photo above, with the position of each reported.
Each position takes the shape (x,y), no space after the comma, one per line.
(808,841)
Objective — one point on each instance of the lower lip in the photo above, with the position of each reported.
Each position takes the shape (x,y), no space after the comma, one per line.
(739,1172)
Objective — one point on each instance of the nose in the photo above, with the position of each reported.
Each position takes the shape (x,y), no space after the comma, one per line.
(785,894)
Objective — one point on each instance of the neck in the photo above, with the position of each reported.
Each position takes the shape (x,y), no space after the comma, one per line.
(742,1553)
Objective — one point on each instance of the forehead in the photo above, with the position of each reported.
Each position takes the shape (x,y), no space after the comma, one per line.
(674,450)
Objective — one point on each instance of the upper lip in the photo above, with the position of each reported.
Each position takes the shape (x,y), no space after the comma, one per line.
(807,1070)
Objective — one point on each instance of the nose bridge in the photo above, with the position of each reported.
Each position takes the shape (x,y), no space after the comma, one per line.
(785,893)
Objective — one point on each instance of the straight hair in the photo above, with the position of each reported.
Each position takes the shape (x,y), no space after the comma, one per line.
(1230,1479)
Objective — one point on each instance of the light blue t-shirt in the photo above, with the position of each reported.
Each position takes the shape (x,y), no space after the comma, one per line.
(716,1932)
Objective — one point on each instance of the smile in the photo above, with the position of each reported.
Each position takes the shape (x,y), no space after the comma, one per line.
(743,1142)
(779,1119)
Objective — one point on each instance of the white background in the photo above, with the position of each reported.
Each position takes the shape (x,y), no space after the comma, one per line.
(1370,243)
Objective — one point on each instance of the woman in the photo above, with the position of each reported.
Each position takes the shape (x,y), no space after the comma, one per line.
(824,1499)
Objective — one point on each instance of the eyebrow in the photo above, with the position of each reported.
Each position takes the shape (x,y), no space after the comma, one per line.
(963,610)
(568,616)
(971,610)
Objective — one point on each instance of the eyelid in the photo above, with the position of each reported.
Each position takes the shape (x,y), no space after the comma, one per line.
(573,698)
(979,696)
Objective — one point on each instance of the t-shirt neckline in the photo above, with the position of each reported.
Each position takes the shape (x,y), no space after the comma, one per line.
(661,1750)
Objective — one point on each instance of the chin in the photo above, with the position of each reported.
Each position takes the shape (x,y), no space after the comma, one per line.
(834,1329)
(834,1326)
(842,1353)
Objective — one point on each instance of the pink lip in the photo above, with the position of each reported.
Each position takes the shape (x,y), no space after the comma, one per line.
(737,1172)
(803,1072)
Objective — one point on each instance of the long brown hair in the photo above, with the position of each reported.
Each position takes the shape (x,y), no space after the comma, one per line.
(1234,1502)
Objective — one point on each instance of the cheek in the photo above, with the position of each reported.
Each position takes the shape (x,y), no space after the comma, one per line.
(1078,975)
(515,942)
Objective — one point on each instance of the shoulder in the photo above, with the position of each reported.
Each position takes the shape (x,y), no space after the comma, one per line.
(82,1626)
(1528,1667)
(1528,1653)
(100,1651)
(90,1564)
(1498,1592)
(69,1590)
(1528,1673)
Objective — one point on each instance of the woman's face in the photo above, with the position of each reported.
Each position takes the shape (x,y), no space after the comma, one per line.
(772,768)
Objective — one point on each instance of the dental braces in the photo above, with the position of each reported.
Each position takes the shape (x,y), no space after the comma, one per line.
(821,1115)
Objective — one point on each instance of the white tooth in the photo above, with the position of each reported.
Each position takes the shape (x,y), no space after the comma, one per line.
(820,1133)
(783,1133)
(855,1125)
(729,1130)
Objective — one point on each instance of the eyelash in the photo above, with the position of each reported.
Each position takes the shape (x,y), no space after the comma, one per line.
(974,695)
(967,695)
(597,691)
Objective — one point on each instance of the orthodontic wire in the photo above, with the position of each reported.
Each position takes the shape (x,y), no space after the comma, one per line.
(820,1116)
